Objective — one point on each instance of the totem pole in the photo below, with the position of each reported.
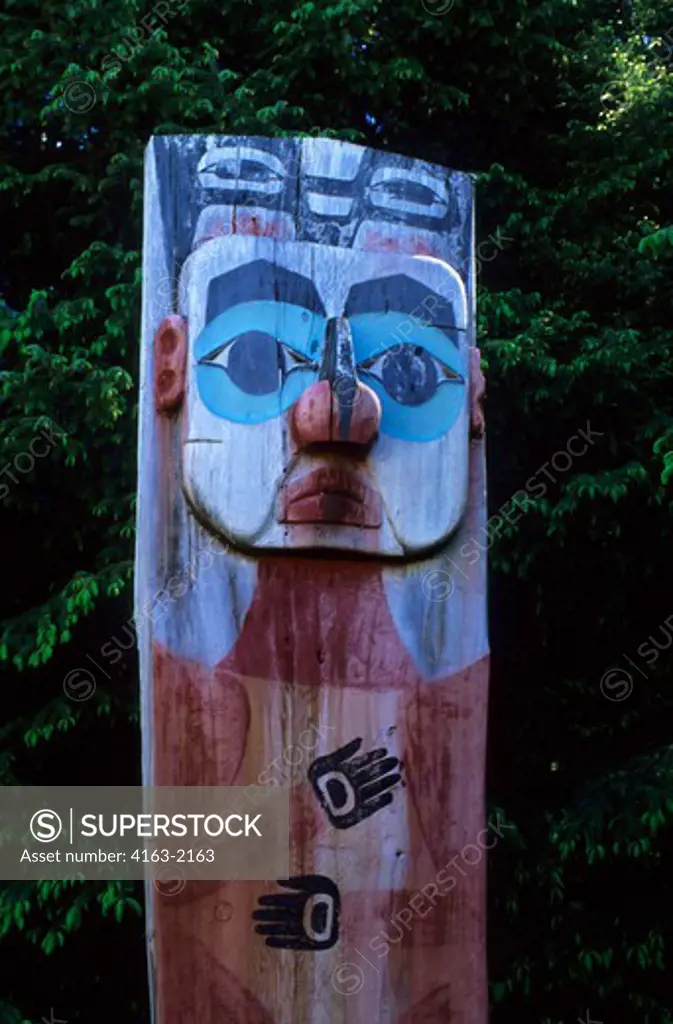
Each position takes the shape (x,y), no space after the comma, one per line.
(311,472)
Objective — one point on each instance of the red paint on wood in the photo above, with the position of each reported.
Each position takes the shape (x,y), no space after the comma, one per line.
(261,225)
(202,724)
(323,414)
(223,998)
(477,395)
(435,1008)
(330,495)
(170,355)
(319,647)
(383,241)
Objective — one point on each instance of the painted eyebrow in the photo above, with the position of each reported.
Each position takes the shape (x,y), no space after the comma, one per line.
(402,294)
(261,280)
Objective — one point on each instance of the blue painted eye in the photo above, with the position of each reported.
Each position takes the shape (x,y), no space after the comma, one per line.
(420,381)
(256,362)
(409,374)
(255,359)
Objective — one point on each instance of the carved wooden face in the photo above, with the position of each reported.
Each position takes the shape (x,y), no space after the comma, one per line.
(326,400)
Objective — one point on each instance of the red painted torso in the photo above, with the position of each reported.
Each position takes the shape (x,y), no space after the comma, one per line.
(319,657)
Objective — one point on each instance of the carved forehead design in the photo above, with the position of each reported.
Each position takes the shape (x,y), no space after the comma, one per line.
(241,168)
(409,192)
(344,184)
(314,190)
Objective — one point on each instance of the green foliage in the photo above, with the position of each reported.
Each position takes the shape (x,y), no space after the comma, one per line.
(563,109)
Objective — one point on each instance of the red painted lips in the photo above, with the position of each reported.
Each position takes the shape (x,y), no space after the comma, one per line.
(330,495)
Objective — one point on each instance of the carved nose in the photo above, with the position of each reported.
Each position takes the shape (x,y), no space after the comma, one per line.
(337,408)
(325,413)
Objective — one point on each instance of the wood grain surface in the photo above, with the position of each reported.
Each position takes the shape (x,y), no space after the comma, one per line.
(310,575)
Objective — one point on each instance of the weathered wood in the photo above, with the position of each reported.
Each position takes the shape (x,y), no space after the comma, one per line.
(310,590)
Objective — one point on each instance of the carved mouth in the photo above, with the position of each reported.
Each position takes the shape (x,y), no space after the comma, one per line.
(330,495)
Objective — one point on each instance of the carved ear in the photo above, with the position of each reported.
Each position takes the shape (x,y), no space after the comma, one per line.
(477,393)
(170,356)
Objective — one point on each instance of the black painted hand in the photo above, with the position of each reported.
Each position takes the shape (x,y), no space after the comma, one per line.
(351,788)
(306,919)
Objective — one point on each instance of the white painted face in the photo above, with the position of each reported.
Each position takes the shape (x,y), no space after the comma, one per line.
(326,389)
